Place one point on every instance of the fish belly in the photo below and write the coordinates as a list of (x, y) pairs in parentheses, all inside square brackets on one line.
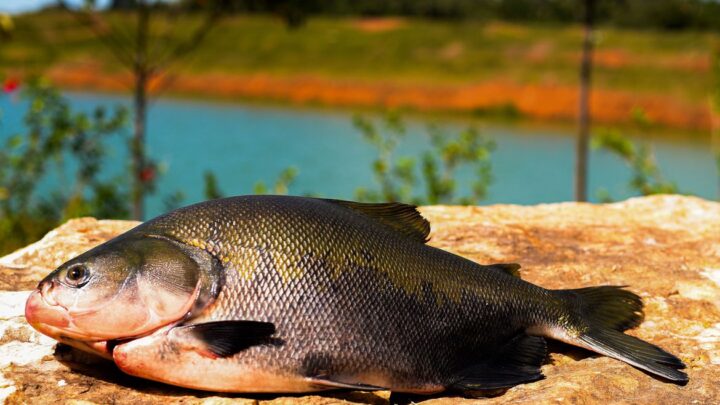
[(178, 360), (165, 358)]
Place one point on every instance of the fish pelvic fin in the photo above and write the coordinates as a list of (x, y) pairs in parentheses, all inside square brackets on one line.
[(598, 317), (517, 362), (325, 382)]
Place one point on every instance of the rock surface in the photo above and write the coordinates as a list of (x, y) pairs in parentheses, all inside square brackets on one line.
[(666, 248)]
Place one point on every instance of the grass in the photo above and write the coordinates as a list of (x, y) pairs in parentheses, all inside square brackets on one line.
[(672, 64)]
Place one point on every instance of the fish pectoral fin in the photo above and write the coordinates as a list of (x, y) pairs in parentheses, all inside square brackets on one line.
[(226, 338), (327, 382), (515, 363)]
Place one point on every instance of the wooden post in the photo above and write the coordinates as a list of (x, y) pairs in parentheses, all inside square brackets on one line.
[(141, 73), (581, 151)]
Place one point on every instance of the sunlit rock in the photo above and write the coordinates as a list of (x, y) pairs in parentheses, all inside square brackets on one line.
[(665, 248)]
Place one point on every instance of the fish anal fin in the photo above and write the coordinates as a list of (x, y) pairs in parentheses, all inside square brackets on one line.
[(226, 338), (512, 269), (515, 363), (403, 218), (329, 383)]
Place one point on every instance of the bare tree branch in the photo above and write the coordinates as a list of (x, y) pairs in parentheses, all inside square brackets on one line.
[(163, 39), (118, 48), (124, 35), (133, 51), (163, 82), (185, 47)]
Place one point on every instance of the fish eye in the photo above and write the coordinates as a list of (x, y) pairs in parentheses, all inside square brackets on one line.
[(76, 276)]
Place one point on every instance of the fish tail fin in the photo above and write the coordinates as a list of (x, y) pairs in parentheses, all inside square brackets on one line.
[(599, 315)]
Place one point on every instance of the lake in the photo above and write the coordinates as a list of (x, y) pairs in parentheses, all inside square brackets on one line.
[(244, 143)]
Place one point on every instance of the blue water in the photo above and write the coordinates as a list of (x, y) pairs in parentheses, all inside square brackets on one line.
[(246, 143)]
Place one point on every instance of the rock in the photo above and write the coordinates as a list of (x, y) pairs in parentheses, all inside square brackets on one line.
[(666, 248)]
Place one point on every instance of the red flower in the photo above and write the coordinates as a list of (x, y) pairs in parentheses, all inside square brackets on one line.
[(11, 85), (147, 174)]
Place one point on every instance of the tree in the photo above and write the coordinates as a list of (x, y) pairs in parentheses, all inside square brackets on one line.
[(52, 133), (147, 59), (646, 179), (715, 115), (396, 176), (581, 151)]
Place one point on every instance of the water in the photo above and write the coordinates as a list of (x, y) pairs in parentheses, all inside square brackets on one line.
[(243, 144)]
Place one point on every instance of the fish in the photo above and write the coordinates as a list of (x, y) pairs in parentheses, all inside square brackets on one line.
[(282, 294)]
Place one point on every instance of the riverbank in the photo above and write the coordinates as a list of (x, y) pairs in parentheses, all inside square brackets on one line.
[(494, 98), (475, 68)]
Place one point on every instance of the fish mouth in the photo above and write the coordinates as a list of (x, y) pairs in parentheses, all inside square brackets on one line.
[(50, 318), (54, 321), (40, 313)]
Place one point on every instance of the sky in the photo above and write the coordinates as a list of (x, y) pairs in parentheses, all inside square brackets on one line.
[(21, 6)]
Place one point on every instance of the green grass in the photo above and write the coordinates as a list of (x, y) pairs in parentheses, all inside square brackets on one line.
[(417, 51)]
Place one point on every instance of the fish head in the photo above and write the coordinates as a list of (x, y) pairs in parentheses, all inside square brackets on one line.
[(127, 287)]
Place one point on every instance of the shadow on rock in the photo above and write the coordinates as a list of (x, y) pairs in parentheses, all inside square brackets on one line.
[(574, 352)]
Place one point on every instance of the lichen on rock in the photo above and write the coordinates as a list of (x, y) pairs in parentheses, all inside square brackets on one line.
[(665, 248)]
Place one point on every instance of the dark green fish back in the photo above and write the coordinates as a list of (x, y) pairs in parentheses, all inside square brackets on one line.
[(351, 295)]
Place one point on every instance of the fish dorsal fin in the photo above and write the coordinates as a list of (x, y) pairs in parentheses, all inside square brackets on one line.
[(403, 218), (512, 269)]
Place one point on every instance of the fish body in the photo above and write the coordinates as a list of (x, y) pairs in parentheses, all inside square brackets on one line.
[(292, 294)]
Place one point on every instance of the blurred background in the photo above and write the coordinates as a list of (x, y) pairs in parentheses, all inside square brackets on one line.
[(129, 108)]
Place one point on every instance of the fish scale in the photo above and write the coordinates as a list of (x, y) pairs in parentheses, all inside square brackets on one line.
[(296, 294), (337, 296)]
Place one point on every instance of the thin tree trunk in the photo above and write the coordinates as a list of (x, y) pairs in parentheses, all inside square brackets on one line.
[(141, 73), (581, 152), (144, 66), (715, 141)]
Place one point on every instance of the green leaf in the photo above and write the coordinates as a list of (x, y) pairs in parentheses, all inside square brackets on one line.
[(15, 141)]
